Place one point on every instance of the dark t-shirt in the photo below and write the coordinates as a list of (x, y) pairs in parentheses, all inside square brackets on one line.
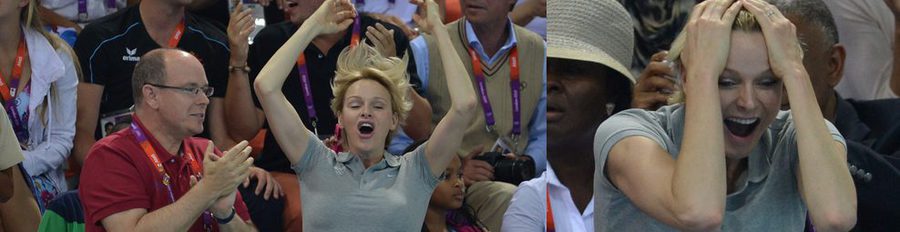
[(321, 66), (109, 48)]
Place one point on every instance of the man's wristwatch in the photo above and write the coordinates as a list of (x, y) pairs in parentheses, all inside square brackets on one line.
[(225, 220), (244, 68)]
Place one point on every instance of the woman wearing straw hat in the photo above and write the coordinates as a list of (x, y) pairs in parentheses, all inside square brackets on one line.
[(727, 158), (589, 52), (350, 191)]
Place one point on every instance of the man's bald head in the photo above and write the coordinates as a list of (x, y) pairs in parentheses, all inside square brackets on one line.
[(151, 69)]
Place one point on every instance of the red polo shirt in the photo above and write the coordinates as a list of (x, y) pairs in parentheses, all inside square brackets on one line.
[(117, 176)]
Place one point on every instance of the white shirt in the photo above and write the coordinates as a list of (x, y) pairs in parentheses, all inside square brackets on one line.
[(50, 137), (401, 9), (528, 208), (866, 29)]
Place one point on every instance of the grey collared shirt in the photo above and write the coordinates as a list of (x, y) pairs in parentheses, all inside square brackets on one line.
[(767, 198), (340, 194)]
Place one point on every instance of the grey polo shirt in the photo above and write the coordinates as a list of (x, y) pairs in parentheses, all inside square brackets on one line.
[(767, 198), (340, 194)]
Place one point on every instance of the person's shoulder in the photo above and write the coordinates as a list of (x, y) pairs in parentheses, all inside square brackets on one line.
[(116, 139), (880, 112), (523, 35), (536, 184), (644, 115), (112, 149)]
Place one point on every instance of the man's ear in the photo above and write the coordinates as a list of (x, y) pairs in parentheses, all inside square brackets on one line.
[(150, 96), (836, 64)]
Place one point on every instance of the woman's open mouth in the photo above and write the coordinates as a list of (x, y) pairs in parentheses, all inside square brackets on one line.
[(741, 127), (366, 129)]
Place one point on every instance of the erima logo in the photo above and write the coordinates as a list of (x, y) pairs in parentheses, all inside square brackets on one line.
[(129, 55)]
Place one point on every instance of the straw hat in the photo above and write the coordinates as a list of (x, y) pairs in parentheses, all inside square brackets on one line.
[(597, 31)]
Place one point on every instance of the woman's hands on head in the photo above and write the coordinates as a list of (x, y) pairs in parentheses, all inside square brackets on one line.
[(709, 37), (785, 53)]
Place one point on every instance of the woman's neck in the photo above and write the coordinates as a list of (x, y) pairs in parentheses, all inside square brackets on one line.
[(734, 168), (368, 158), (9, 40), (436, 219)]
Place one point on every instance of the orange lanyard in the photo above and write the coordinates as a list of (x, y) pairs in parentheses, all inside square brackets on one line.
[(176, 36), (8, 92), (551, 226), (150, 152)]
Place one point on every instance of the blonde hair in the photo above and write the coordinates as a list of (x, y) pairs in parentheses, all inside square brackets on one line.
[(744, 21), (363, 62), (29, 17)]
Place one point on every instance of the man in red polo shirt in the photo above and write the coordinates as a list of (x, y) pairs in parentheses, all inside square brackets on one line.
[(154, 176)]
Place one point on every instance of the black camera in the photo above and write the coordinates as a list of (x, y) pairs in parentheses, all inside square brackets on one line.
[(512, 171)]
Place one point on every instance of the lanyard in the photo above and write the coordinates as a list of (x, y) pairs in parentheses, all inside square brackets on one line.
[(166, 179), (303, 72), (8, 91), (514, 86), (354, 39), (82, 9), (176, 36), (307, 92), (551, 226)]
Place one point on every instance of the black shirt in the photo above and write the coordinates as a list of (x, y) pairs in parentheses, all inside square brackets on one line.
[(109, 48), (321, 66)]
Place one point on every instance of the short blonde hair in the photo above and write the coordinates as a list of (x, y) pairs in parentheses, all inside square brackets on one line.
[(744, 21), (363, 62)]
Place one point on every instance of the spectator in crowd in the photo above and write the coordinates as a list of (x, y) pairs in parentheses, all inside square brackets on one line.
[(588, 79), (371, 100), (867, 30), (109, 48), (155, 175), (39, 84), (775, 164), (262, 193), (531, 14), (74, 14), (246, 116), (866, 125), (447, 210), (489, 43), (19, 210)]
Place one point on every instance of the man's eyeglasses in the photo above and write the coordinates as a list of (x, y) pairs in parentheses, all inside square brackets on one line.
[(205, 90)]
